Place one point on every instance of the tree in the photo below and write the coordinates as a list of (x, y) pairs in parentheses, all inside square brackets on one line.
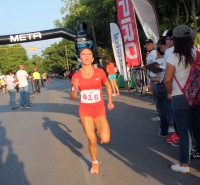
[(55, 57), (11, 57)]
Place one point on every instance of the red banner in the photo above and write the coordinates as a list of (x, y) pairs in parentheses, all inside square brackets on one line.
[(128, 27)]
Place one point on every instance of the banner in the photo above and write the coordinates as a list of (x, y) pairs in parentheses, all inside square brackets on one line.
[(148, 18), (118, 49), (128, 27)]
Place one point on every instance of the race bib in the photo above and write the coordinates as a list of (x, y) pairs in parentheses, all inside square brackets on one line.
[(90, 96)]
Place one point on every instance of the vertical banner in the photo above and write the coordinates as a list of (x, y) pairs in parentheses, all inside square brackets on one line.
[(148, 18), (118, 49), (128, 27)]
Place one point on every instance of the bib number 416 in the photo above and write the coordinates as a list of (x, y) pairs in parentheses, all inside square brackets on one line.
[(88, 96)]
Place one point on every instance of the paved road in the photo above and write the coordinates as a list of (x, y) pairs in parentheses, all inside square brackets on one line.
[(46, 145)]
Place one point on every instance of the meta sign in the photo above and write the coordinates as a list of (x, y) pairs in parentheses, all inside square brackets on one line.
[(26, 37)]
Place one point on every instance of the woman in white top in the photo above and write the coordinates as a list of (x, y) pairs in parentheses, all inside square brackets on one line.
[(10, 81), (187, 117)]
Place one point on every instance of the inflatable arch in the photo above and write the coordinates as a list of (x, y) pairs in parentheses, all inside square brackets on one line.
[(81, 38)]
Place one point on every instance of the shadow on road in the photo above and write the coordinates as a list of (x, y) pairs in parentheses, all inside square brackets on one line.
[(135, 143), (11, 170), (64, 137)]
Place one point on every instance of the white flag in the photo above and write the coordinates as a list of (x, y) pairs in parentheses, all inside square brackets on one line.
[(118, 49), (148, 18)]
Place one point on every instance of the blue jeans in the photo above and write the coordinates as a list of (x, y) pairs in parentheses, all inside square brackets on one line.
[(187, 119), (162, 102), (24, 96), (12, 93), (30, 86), (170, 118), (153, 89)]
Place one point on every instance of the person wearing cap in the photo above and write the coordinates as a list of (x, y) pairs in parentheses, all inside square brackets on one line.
[(187, 117), (22, 77), (149, 46), (173, 139)]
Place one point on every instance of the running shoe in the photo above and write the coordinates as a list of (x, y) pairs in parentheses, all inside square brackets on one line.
[(114, 94), (176, 143), (174, 135), (15, 108), (118, 93), (171, 140), (178, 168), (171, 129), (95, 168), (162, 135), (157, 118)]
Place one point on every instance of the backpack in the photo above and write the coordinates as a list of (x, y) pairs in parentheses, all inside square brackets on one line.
[(191, 89)]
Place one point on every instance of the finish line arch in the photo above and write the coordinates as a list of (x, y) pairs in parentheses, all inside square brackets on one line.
[(81, 38)]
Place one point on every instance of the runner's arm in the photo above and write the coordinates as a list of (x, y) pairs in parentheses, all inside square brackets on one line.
[(109, 90), (73, 94), (74, 90)]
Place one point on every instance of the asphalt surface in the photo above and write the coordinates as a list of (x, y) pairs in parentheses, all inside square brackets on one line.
[(46, 145)]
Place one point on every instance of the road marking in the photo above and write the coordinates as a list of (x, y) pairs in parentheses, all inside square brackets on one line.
[(59, 102), (91, 179)]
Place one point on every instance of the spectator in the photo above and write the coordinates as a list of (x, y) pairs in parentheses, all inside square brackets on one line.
[(22, 77), (151, 57), (112, 76), (10, 81), (36, 77), (126, 82), (186, 117)]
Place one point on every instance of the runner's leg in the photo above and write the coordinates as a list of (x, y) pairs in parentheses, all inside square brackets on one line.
[(103, 129), (112, 85), (88, 126), (115, 85)]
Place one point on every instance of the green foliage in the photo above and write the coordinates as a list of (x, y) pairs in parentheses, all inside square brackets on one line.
[(11, 57), (55, 57)]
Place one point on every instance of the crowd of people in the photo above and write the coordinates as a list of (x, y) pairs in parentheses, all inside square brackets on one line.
[(23, 83), (175, 53)]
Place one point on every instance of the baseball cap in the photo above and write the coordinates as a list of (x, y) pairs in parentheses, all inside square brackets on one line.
[(181, 31), (148, 41), (164, 33)]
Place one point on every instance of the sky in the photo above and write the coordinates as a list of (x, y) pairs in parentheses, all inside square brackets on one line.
[(23, 16)]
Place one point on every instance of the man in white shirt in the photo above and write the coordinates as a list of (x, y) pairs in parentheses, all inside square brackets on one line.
[(22, 77), (149, 46)]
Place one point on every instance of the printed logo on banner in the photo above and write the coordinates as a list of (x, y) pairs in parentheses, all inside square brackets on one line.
[(128, 28), (25, 37), (118, 47)]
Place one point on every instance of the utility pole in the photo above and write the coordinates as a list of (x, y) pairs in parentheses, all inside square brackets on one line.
[(67, 58)]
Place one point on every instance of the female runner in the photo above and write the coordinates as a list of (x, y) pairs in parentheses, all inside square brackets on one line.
[(92, 110)]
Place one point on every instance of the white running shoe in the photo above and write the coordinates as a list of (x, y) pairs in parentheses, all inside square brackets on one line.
[(157, 118), (171, 129), (178, 168)]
